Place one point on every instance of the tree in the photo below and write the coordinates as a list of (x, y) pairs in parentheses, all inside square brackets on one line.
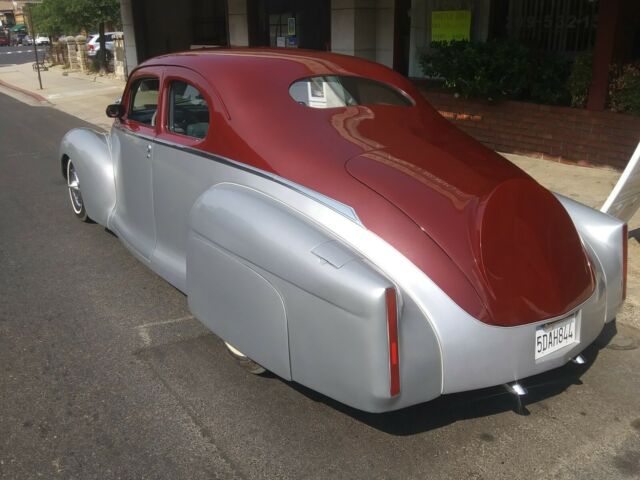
[(58, 17), (69, 17)]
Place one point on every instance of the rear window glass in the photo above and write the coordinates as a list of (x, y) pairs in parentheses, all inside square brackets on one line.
[(343, 91)]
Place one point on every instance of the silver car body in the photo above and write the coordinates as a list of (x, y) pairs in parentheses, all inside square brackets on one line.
[(295, 281)]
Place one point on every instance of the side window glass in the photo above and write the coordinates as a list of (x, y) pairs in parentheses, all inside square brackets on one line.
[(188, 110), (144, 101)]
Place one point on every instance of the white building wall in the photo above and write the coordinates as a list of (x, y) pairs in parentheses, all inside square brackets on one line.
[(363, 28)]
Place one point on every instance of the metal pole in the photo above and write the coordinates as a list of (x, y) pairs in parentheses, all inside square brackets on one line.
[(35, 46), (35, 49)]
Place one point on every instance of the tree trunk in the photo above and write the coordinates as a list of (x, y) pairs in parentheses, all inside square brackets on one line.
[(102, 53)]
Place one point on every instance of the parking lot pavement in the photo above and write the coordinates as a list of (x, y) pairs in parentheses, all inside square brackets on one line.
[(104, 374)]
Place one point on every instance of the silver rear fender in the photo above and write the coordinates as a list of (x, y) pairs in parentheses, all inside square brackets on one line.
[(603, 234), (298, 301)]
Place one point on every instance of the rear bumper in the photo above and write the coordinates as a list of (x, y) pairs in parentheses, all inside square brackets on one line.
[(486, 356), (477, 355)]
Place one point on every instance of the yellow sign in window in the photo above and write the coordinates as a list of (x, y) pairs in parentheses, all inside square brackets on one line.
[(450, 25)]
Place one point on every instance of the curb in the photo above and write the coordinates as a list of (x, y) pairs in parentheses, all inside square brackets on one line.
[(29, 93)]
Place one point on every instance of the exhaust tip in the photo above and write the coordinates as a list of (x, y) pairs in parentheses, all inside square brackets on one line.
[(579, 360), (516, 389)]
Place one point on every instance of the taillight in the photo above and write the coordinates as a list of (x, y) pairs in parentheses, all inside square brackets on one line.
[(394, 355), (90, 47), (625, 241)]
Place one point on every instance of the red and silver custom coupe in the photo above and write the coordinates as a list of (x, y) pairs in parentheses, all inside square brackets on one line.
[(333, 228)]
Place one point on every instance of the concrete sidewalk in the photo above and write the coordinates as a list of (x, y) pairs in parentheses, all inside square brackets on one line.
[(78, 94), (86, 97)]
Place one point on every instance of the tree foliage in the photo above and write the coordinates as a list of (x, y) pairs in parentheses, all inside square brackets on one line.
[(70, 17)]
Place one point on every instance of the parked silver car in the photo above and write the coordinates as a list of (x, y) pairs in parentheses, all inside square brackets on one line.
[(93, 44), (42, 40)]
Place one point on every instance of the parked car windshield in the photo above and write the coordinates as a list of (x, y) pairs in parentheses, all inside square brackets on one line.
[(342, 91)]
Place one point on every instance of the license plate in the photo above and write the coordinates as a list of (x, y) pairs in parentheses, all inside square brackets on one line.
[(554, 336)]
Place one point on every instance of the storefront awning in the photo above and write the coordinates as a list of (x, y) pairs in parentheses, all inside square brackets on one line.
[(17, 27)]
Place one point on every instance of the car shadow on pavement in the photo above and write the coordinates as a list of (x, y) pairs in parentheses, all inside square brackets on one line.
[(451, 408)]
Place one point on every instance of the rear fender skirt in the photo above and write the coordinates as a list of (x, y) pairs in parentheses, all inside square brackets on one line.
[(295, 299)]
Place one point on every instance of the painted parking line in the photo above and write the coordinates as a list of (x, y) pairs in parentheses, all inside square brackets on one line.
[(21, 51), (144, 329)]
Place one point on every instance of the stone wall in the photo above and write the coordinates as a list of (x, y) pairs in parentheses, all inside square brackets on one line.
[(81, 53), (72, 49), (119, 57), (71, 52)]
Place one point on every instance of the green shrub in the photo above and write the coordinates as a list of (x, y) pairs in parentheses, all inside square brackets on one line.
[(497, 70), (491, 70), (624, 89), (548, 78), (580, 79)]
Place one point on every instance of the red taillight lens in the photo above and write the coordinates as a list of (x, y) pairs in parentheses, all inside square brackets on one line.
[(90, 47), (625, 242), (394, 354)]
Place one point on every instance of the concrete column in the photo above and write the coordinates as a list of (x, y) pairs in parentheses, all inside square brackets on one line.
[(64, 51), (418, 36), (363, 28), (56, 53), (119, 62), (130, 49), (238, 23), (385, 26)]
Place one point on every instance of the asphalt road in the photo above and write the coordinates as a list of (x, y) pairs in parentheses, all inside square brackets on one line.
[(104, 374), (10, 55)]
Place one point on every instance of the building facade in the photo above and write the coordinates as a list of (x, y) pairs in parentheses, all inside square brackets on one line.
[(391, 32)]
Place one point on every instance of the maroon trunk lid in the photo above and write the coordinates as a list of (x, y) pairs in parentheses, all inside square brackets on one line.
[(508, 235)]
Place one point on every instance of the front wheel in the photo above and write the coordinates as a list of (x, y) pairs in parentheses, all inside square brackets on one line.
[(73, 184), (244, 361)]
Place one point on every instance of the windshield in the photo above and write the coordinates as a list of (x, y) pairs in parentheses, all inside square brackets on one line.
[(342, 91)]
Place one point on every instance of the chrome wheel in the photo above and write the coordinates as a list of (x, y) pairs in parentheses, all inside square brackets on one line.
[(73, 184), (244, 361)]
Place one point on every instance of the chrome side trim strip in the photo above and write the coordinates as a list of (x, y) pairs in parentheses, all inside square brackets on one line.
[(343, 209)]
